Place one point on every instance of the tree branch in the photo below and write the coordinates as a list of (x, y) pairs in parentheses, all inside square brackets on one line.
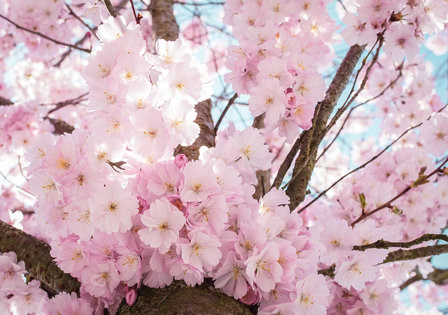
[(60, 126), (303, 169), (5, 101), (180, 299), (110, 8), (73, 101), (37, 258), (438, 276), (206, 135), (422, 179), (385, 244), (391, 84), (284, 167), (81, 20), (224, 112), (163, 21), (410, 254), (45, 36)]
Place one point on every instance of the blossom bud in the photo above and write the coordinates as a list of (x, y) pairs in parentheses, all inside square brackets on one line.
[(180, 160), (131, 296)]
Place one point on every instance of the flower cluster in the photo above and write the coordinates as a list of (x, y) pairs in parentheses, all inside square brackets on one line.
[(276, 62), (20, 296)]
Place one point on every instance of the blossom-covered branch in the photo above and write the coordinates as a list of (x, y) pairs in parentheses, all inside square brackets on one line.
[(422, 179), (36, 255), (45, 36), (297, 188)]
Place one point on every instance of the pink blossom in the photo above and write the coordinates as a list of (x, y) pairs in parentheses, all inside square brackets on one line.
[(210, 214), (180, 160), (100, 279), (163, 222), (131, 296), (312, 295), (268, 97), (202, 252), (29, 300), (195, 32), (357, 271), (69, 304), (113, 208), (264, 268), (309, 87), (231, 277), (11, 272), (199, 182)]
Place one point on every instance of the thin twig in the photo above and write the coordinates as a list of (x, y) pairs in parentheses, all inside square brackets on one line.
[(388, 204), (386, 244), (224, 112), (23, 190), (73, 101), (343, 5), (359, 167), (392, 83), (46, 37), (199, 3), (366, 163), (137, 17), (286, 164), (69, 51), (81, 20)]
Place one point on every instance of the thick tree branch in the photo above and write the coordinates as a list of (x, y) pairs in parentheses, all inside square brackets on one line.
[(60, 126), (206, 135), (410, 254), (110, 8), (304, 164), (180, 299), (163, 21), (37, 258), (5, 101)]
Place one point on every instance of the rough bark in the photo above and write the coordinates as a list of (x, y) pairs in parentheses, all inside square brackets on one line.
[(304, 164), (180, 299), (438, 276), (385, 244), (410, 254), (206, 135), (5, 101), (37, 258), (163, 21), (60, 126), (263, 176)]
